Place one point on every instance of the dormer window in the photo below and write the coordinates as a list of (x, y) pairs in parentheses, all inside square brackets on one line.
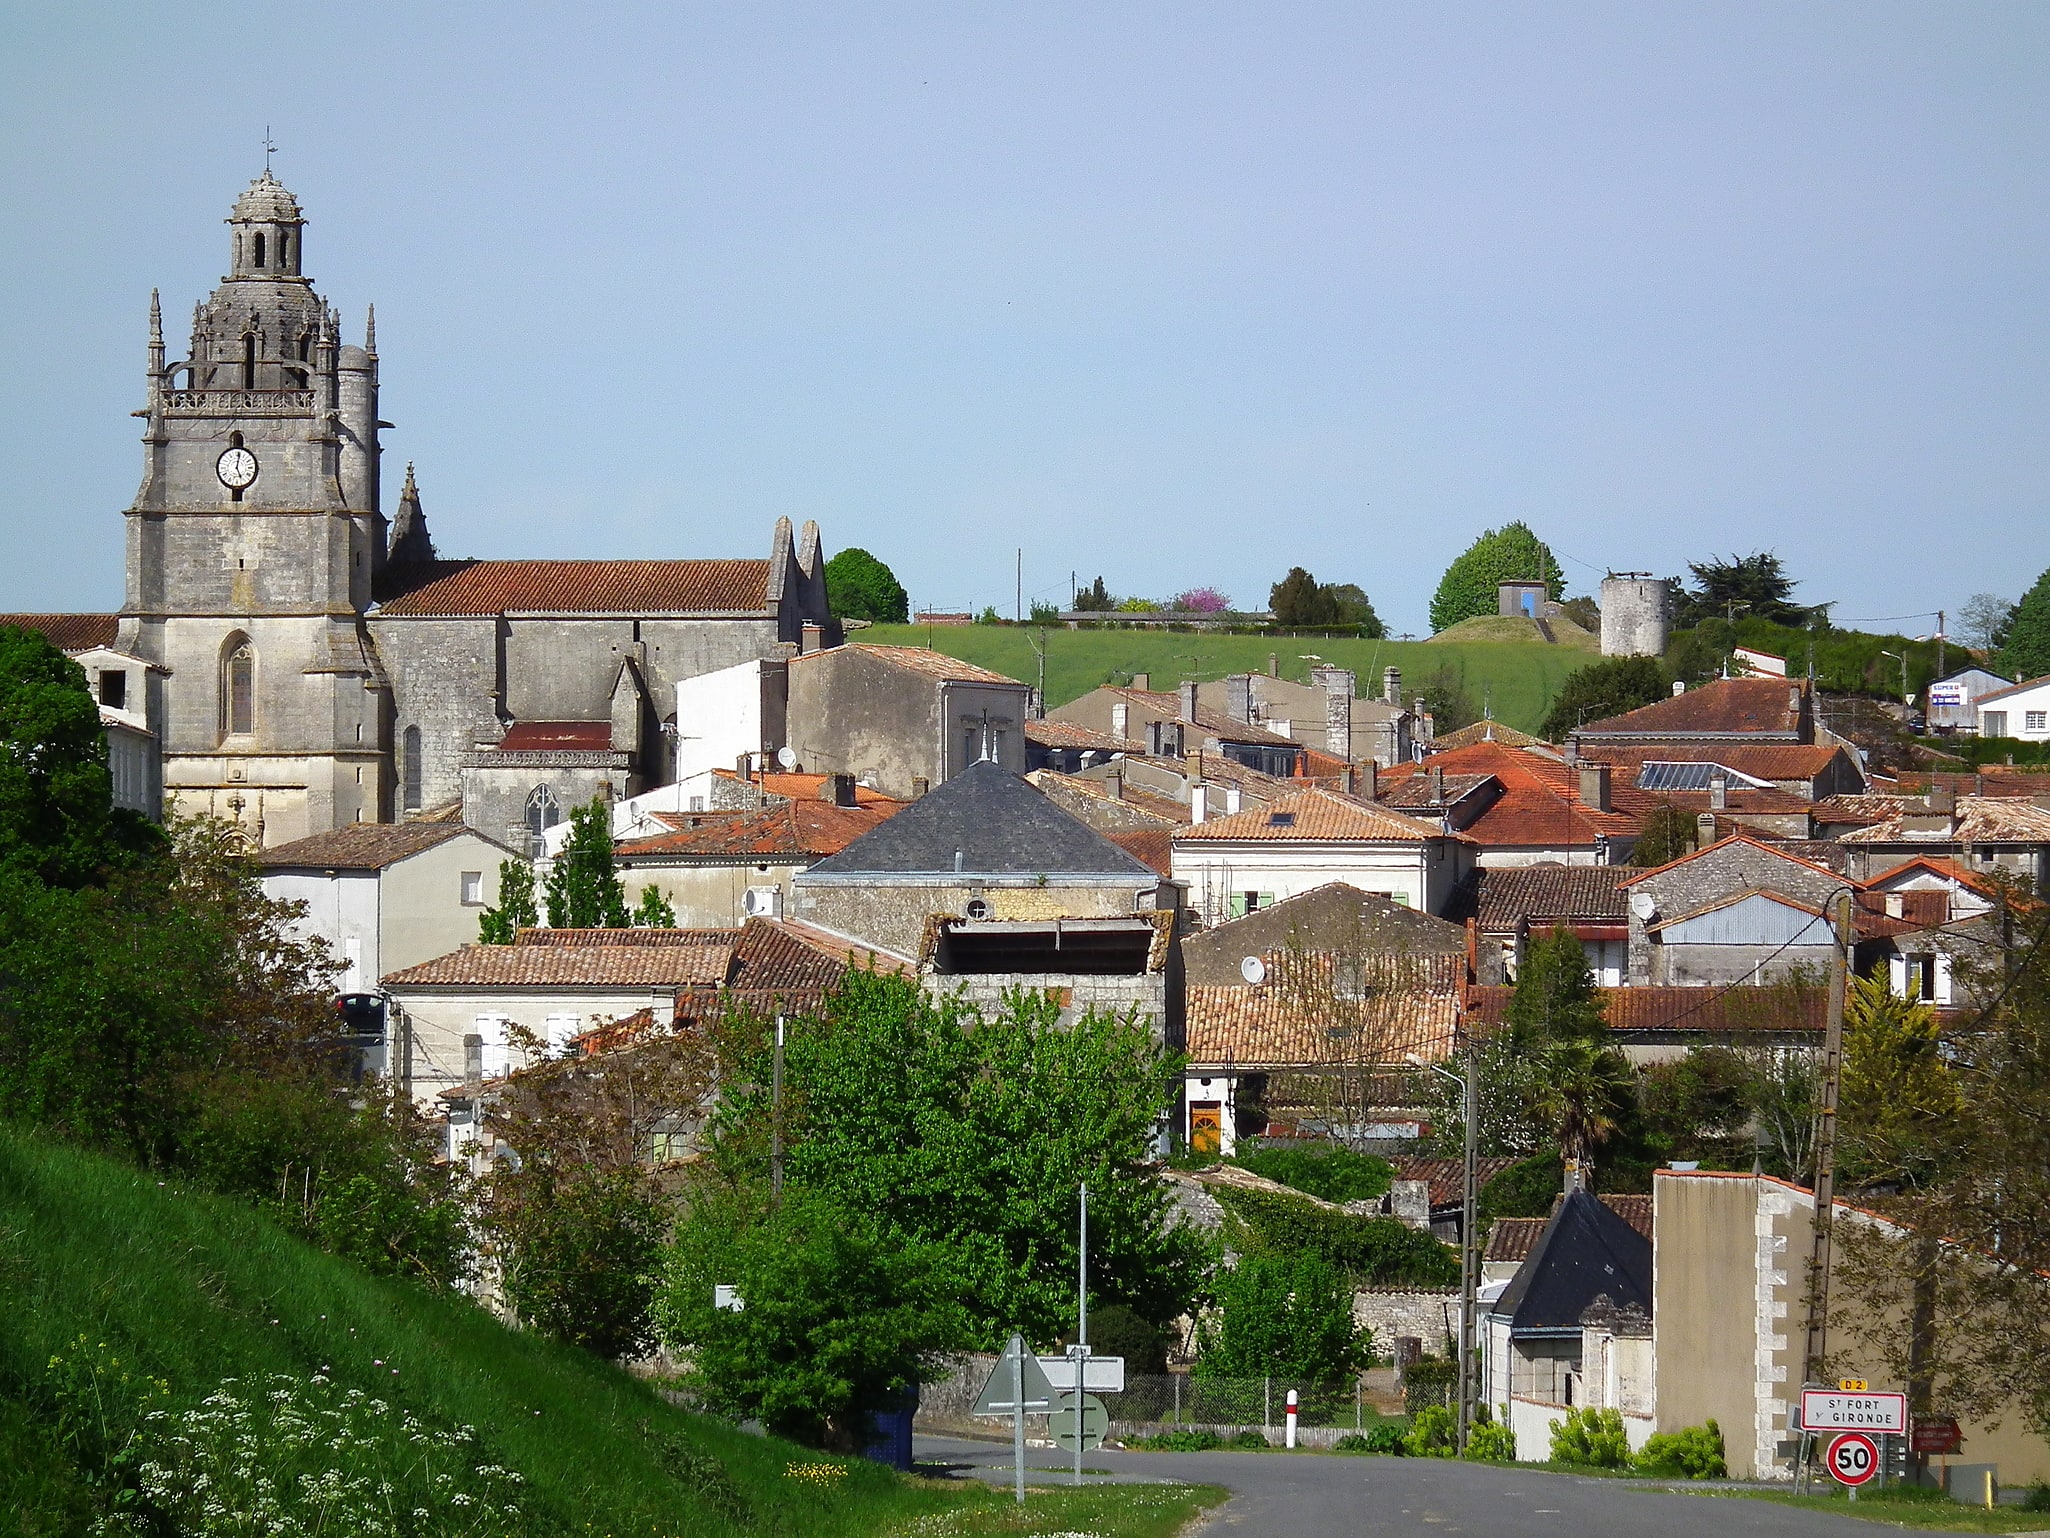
[(114, 689)]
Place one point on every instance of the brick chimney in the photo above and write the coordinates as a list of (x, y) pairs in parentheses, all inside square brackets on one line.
[(1594, 786), (1238, 698), (1188, 699)]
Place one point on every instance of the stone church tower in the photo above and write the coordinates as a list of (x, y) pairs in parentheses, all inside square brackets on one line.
[(254, 542)]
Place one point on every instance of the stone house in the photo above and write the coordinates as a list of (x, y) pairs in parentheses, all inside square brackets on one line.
[(1175, 724), (1725, 710), (1240, 863), (1325, 713), (1737, 911), (129, 690), (386, 896)]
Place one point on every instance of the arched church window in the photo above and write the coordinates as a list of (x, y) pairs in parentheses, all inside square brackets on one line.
[(259, 248), (543, 813), (409, 769), (238, 687)]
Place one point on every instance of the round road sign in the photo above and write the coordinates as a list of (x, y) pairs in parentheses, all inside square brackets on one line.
[(1852, 1458)]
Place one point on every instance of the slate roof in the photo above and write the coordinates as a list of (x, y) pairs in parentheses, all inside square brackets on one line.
[(780, 830), (1545, 894), (572, 966), (1586, 1251), (1334, 916), (918, 659), (997, 823), (466, 588), (1741, 1011), (1386, 1008), (1725, 706), (557, 737), (1322, 816), (69, 632), (366, 845)]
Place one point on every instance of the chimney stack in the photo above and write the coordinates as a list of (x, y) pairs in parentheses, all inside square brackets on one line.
[(1437, 783), (1679, 686), (1391, 686), (814, 638), (1143, 682), (1704, 830), (1238, 697), (919, 786), (1718, 793), (1121, 721), (1942, 799), (1273, 665), (1338, 685), (1188, 699), (1594, 786), (837, 790), (1369, 781), (1199, 803)]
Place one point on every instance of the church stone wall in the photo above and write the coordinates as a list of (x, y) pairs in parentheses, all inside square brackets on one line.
[(563, 669), (444, 675), (687, 648)]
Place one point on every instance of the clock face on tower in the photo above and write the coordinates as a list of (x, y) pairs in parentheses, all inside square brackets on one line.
[(237, 469)]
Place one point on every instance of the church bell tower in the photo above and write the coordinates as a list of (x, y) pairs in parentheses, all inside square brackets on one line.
[(254, 542)]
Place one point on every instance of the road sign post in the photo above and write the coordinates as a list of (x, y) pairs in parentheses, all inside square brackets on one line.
[(1852, 1458), (1016, 1385)]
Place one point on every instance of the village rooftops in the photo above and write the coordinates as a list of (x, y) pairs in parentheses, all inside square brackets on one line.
[(1335, 917), (783, 964), (1976, 820), (1225, 728), (1044, 732), (781, 830), (1537, 804), (366, 846), (917, 659), (1317, 816), (1748, 709), (1551, 894), (599, 964), (988, 823)]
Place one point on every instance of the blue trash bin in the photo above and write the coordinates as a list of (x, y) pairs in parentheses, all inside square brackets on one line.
[(889, 1438)]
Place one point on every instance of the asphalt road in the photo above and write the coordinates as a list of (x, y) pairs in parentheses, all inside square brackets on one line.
[(1341, 1496)]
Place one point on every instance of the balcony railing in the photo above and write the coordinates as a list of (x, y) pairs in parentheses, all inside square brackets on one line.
[(239, 403)]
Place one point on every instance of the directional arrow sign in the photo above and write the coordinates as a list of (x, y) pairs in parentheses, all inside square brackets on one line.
[(998, 1396)]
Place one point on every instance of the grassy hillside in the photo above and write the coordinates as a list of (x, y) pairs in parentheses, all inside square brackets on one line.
[(1518, 679), (101, 1263)]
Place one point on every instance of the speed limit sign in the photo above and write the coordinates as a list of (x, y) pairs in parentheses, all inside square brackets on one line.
[(1852, 1458)]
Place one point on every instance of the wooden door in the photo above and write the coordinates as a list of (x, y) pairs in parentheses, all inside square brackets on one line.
[(1206, 1127)]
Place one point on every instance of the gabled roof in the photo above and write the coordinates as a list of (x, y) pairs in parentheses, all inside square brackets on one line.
[(1586, 1251), (917, 659), (1978, 820), (68, 632), (1551, 893), (1723, 707), (1484, 731), (1512, 1238), (1539, 804), (1941, 866), (1332, 917), (1317, 816), (368, 846), (1730, 899), (1778, 851), (457, 589), (985, 821), (572, 966), (1317, 1010), (1761, 760), (780, 830), (2012, 689), (1047, 733)]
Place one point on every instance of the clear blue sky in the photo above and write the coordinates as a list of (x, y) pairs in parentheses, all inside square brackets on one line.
[(1176, 293)]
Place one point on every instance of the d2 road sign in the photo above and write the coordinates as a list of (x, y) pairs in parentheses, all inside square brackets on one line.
[(1095, 1422), (1852, 1458), (1828, 1409)]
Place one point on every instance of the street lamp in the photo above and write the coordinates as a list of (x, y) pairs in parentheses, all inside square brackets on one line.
[(1903, 661), (1469, 1095)]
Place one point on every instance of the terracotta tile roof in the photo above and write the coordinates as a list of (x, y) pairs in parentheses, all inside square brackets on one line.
[(2012, 690), (784, 964), (1153, 845), (571, 966), (1760, 760), (1412, 792), (1993, 780), (1546, 894), (800, 787), (1086, 797), (557, 736), (1484, 731), (587, 938), (1335, 918), (1168, 703), (1766, 801), (789, 829), (68, 632), (1632, 1208), (1539, 805), (367, 845), (1322, 816), (1722, 707), (1299, 1018), (1511, 1239), (1447, 1177), (1978, 820), (917, 659), (587, 587), (1049, 733), (1713, 1011), (1323, 766)]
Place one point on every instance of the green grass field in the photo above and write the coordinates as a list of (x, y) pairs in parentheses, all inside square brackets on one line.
[(193, 1289), (1515, 679)]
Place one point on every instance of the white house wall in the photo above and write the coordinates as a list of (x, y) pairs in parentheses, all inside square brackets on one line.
[(424, 914), (342, 911), (1411, 874), (442, 1018)]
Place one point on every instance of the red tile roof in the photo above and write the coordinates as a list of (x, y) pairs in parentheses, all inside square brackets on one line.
[(1722, 707), (782, 829), (918, 659), (586, 938), (366, 846), (1547, 894), (1049, 733), (1446, 1177), (1153, 845), (571, 966), (784, 964), (588, 587), (1321, 816), (557, 736), (1485, 731), (1540, 805), (1760, 760), (1299, 1018), (1714, 1011), (68, 632), (803, 787), (1978, 820)]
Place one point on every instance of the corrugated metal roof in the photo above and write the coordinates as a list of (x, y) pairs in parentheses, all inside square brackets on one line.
[(588, 587)]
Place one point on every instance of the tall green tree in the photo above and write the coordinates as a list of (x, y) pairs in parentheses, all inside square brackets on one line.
[(1742, 586), (1899, 1101), (1511, 553), (1299, 599), (583, 890), (1602, 689), (1556, 998), (1666, 834), (1285, 1315), (58, 824), (989, 1125), (858, 586), (501, 923), (2025, 647), (1095, 598)]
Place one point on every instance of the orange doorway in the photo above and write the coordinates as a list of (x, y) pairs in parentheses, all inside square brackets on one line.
[(1206, 1127)]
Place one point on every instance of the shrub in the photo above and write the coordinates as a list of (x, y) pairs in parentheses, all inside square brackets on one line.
[(1335, 1174), (1351, 1442), (1180, 1442), (1285, 1315), (1251, 1440), (1427, 1384), (1694, 1452), (1431, 1434), (1591, 1439), (1375, 1251), (1390, 1437), (1490, 1440), (858, 586), (2038, 1497)]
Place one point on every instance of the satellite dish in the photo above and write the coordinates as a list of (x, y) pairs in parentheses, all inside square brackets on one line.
[(787, 757), (1644, 905), (1253, 970)]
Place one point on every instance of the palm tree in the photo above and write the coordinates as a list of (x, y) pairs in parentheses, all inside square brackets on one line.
[(1583, 1089)]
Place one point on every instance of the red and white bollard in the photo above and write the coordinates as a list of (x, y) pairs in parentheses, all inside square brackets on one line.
[(1289, 1434)]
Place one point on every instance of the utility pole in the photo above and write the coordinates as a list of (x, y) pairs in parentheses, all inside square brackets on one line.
[(1816, 1347), (776, 1117), (1081, 1330), (1469, 1277), (1018, 599), (1939, 643)]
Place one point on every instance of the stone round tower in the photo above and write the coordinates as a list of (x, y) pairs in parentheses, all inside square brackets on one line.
[(1635, 615)]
